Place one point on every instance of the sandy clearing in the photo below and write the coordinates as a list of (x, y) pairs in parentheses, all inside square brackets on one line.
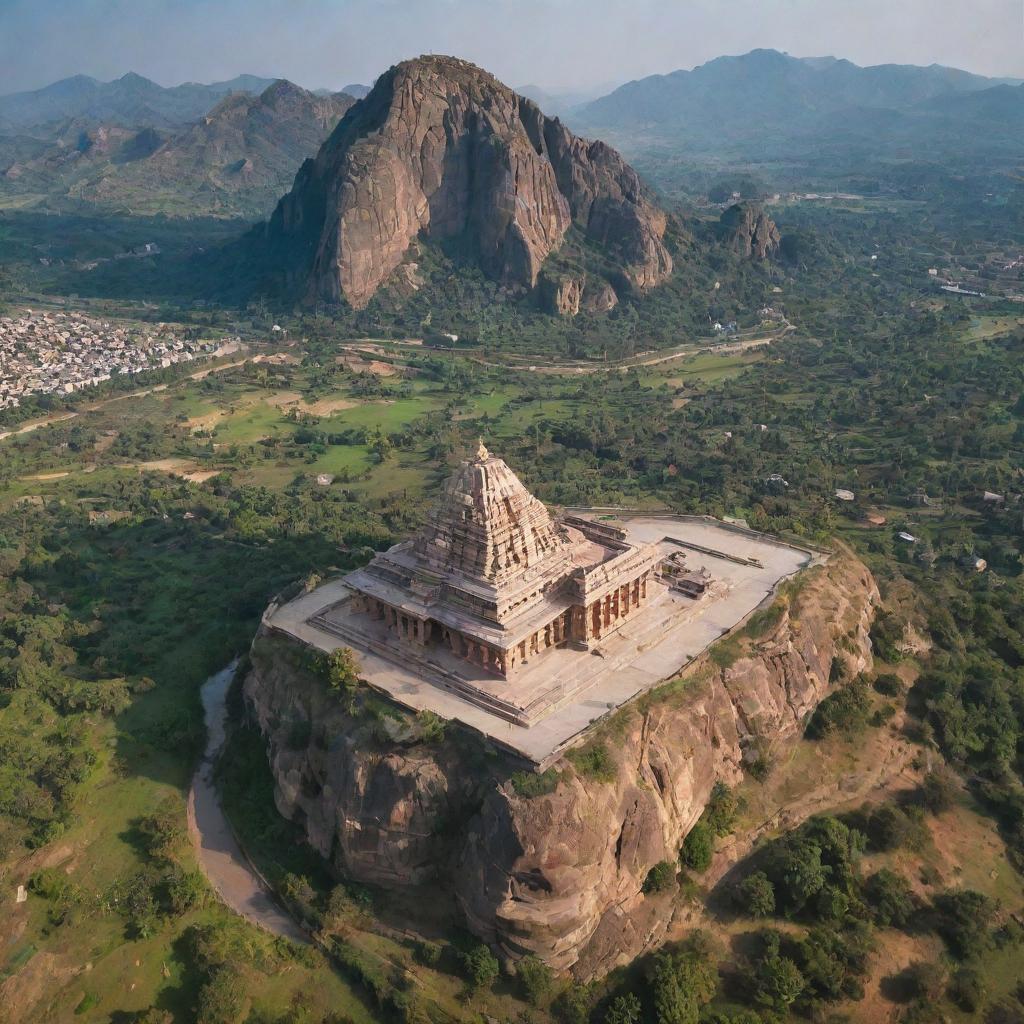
[(176, 467), (326, 406)]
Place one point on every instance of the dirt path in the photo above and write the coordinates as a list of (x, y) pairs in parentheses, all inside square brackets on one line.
[(220, 857)]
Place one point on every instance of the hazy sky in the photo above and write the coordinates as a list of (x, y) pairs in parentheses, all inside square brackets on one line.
[(559, 44)]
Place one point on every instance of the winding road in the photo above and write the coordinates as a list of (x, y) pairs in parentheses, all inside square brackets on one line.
[(220, 857)]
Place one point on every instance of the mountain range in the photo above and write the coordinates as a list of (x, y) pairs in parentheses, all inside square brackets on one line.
[(234, 160), (131, 101), (766, 105)]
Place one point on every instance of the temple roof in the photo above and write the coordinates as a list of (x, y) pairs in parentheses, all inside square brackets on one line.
[(488, 526)]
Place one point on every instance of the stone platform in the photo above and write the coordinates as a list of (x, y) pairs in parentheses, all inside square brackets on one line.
[(554, 698)]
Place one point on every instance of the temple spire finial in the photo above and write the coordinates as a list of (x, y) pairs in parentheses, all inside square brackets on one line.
[(482, 454)]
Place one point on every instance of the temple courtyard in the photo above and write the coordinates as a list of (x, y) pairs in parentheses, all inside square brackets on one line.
[(529, 627)]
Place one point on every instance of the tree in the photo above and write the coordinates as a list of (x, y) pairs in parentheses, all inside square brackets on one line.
[(480, 966), (779, 982), (698, 847), (681, 984), (756, 895), (624, 1010), (535, 977)]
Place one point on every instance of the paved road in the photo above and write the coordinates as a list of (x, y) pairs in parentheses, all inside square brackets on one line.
[(220, 857)]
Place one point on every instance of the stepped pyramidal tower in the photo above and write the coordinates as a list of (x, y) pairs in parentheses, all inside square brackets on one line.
[(495, 580)]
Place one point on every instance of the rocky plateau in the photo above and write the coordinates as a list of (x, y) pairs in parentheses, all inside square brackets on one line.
[(560, 873)]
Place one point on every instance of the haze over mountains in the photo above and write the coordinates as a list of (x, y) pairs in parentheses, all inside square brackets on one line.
[(231, 148)]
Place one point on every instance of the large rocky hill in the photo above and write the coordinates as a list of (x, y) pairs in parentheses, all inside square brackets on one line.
[(440, 149)]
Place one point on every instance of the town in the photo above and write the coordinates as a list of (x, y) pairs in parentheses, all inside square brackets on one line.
[(57, 353)]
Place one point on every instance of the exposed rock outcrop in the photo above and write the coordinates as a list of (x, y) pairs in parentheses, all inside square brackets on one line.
[(558, 874), (748, 230), (566, 295), (440, 147)]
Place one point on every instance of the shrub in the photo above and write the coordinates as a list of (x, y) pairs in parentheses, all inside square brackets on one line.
[(967, 989), (938, 790), (660, 878), (573, 1006), (163, 830), (432, 727), (755, 895), (222, 997), (536, 978), (890, 827), (888, 684), (845, 711), (963, 921), (887, 636), (721, 810), (698, 847), (594, 762), (531, 784), (681, 984), (890, 898), (429, 953), (340, 671), (186, 890)]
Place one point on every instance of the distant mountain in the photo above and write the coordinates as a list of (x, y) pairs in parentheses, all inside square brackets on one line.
[(358, 91), (769, 105), (129, 101), (441, 153), (236, 160), (766, 84)]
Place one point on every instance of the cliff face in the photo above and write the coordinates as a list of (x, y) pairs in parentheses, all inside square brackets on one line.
[(750, 231), (441, 147), (559, 874)]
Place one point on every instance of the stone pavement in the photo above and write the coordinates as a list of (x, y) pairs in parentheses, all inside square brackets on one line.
[(640, 654)]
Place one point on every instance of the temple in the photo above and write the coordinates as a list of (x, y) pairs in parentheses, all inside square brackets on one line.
[(527, 625), (497, 581)]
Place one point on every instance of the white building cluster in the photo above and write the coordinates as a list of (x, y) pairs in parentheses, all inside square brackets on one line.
[(57, 353)]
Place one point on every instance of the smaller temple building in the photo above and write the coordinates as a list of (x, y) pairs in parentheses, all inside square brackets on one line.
[(497, 581)]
